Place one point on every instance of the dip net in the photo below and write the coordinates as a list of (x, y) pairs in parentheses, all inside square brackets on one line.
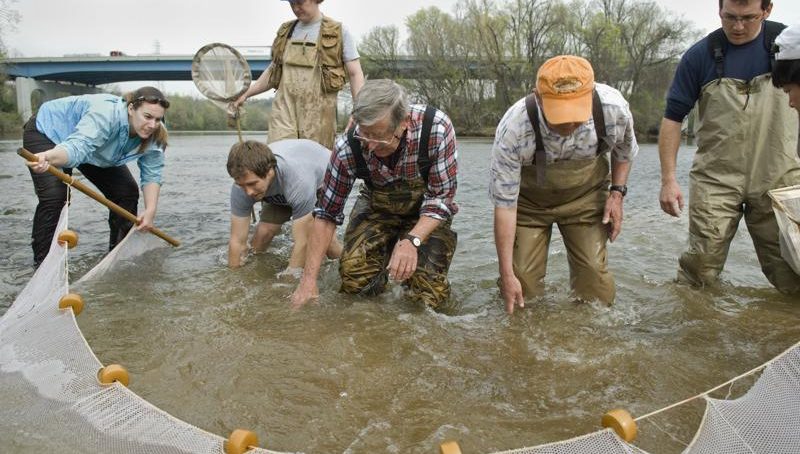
[(52, 393), (221, 74)]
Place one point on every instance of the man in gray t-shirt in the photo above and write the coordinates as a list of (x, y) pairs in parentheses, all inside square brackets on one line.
[(284, 177)]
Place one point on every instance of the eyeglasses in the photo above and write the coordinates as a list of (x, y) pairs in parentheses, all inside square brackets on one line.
[(152, 99), (358, 136), (733, 19)]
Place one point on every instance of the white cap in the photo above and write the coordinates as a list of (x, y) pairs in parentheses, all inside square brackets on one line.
[(788, 43)]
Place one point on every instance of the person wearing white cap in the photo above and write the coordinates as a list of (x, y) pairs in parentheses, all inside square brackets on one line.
[(786, 71), (746, 139)]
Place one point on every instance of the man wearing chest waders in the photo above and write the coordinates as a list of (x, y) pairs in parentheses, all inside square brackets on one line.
[(746, 137), (313, 57), (399, 227), (550, 165)]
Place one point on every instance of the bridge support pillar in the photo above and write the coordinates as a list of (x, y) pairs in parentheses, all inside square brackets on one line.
[(26, 87)]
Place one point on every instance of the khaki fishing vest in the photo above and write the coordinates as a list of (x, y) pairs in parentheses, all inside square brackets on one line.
[(330, 45)]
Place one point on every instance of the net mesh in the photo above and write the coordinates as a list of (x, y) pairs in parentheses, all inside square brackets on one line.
[(766, 419), (786, 202), (48, 375), (220, 72), (49, 386), (602, 442)]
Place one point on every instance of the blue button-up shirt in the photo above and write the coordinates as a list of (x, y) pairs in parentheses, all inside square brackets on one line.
[(93, 129)]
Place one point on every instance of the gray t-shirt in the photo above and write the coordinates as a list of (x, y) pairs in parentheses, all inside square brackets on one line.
[(299, 172), (310, 32)]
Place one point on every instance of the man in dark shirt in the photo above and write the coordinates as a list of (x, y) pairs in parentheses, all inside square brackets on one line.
[(746, 140)]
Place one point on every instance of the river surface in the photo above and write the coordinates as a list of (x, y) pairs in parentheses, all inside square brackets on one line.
[(221, 349)]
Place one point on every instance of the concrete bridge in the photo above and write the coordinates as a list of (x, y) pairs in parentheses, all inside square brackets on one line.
[(51, 77)]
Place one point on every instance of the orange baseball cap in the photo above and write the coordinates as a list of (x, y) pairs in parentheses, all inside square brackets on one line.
[(565, 85)]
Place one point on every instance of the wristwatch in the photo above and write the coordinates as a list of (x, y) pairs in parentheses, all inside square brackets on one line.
[(414, 240), (621, 188)]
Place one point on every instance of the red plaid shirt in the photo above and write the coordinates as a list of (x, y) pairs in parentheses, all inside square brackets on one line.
[(438, 200)]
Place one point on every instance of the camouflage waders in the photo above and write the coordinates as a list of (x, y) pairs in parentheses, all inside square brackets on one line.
[(380, 217)]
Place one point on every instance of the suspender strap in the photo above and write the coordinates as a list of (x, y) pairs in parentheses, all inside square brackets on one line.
[(599, 123), (716, 43), (771, 31), (423, 156), (362, 171), (539, 157)]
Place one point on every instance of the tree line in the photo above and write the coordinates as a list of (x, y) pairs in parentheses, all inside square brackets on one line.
[(484, 56), (480, 59)]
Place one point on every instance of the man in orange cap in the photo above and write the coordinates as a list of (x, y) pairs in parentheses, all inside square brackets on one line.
[(550, 165)]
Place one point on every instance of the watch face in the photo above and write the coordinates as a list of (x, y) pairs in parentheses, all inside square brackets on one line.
[(414, 240)]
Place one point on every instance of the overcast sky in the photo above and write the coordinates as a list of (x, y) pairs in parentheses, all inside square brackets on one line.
[(50, 28)]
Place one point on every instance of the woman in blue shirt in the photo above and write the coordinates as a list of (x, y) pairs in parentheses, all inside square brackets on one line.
[(98, 134)]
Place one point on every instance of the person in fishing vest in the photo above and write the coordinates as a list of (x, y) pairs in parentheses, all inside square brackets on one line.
[(746, 141), (98, 134), (399, 227), (312, 59), (786, 70), (284, 177), (550, 165)]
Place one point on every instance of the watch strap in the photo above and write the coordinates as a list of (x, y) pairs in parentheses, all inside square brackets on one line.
[(621, 188)]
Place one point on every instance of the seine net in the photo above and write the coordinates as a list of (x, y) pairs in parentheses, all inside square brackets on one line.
[(48, 377), (786, 202), (49, 388)]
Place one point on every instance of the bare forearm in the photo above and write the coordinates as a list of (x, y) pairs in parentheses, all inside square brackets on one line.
[(619, 172), (259, 86), (56, 156), (151, 192), (236, 251), (355, 75), (320, 238), (424, 227), (669, 140), (505, 227)]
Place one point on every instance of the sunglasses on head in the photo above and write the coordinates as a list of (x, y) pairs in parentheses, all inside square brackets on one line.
[(152, 99)]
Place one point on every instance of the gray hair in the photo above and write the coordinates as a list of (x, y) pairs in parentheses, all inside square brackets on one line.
[(377, 98)]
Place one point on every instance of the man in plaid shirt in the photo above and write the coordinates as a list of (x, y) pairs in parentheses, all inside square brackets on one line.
[(400, 225)]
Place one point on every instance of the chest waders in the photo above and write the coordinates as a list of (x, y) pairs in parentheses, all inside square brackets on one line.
[(746, 146), (380, 217), (571, 194), (302, 109)]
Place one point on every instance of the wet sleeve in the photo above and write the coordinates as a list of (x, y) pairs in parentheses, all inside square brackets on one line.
[(241, 203)]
